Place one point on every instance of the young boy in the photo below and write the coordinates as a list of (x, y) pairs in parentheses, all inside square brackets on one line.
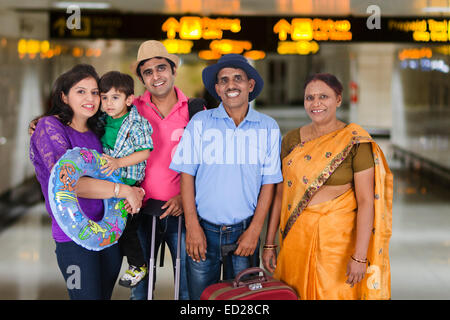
[(126, 144)]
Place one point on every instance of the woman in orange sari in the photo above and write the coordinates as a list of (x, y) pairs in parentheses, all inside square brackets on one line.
[(334, 207)]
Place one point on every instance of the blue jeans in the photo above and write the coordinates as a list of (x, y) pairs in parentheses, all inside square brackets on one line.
[(167, 230), (204, 273), (89, 275)]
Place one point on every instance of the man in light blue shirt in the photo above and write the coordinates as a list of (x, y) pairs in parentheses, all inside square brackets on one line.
[(229, 159)]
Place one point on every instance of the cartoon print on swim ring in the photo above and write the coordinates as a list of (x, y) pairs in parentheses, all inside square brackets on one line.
[(92, 235)]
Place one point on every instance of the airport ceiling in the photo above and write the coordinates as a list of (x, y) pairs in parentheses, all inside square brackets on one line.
[(408, 8)]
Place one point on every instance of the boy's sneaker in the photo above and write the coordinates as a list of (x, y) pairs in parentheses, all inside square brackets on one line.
[(133, 276)]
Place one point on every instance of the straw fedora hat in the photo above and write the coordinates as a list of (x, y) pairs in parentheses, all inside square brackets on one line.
[(151, 49)]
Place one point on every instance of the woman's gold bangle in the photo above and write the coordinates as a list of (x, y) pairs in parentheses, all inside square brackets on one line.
[(359, 261), (270, 246)]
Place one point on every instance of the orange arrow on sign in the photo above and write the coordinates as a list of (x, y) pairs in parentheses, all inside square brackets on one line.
[(171, 26), (282, 27), (60, 24)]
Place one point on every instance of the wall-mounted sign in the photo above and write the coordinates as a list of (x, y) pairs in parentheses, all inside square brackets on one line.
[(178, 46), (423, 30), (255, 54), (421, 59), (195, 28), (297, 47), (414, 53), (225, 46), (313, 29), (44, 49), (230, 46), (445, 50), (425, 65)]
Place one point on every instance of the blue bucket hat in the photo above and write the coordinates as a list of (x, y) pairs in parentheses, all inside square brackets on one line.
[(232, 60)]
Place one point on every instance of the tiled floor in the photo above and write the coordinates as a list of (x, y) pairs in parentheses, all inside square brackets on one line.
[(420, 249), (420, 244), (28, 267)]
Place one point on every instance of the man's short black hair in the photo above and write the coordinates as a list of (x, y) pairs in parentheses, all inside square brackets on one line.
[(233, 67), (120, 81)]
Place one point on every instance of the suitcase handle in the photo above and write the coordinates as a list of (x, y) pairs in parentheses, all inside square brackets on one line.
[(238, 283)]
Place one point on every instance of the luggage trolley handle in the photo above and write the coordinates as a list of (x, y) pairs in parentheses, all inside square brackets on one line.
[(152, 263), (228, 249), (178, 261), (152, 208)]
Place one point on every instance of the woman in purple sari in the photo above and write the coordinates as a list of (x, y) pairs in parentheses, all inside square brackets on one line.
[(73, 121)]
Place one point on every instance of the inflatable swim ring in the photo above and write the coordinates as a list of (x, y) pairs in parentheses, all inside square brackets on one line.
[(73, 165)]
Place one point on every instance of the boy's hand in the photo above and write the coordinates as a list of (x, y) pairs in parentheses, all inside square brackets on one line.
[(111, 165), (32, 125)]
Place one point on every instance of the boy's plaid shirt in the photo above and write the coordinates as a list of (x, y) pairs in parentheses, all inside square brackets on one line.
[(134, 134)]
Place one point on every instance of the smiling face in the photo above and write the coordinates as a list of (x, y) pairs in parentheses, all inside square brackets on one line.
[(321, 102), (233, 87), (115, 103), (83, 98), (158, 77)]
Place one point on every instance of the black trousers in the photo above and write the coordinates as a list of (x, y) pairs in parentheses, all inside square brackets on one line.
[(129, 243)]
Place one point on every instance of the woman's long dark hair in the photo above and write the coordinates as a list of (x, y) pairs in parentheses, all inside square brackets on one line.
[(63, 85)]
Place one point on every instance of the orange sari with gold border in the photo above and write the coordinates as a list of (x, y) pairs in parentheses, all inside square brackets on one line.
[(316, 241)]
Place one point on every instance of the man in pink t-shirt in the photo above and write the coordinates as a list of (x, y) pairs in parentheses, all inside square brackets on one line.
[(166, 108)]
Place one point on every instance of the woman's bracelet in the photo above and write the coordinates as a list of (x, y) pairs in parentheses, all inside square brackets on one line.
[(116, 190), (359, 261), (270, 246)]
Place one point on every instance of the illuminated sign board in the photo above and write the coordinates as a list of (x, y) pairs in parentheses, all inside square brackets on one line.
[(195, 28), (298, 47), (415, 53), (313, 29), (305, 32), (421, 59), (32, 48), (445, 50), (253, 36), (423, 30), (178, 46), (425, 65)]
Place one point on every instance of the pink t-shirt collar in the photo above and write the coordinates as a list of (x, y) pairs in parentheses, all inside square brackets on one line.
[(146, 99)]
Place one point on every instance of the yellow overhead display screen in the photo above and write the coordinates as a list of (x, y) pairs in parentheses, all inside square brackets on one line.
[(313, 29), (195, 28), (253, 36), (423, 30), (304, 32)]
